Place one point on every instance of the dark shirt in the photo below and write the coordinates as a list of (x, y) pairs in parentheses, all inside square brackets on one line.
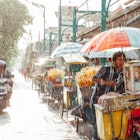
[(120, 88), (107, 74)]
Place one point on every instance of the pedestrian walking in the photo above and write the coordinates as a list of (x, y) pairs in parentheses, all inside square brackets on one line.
[(25, 74)]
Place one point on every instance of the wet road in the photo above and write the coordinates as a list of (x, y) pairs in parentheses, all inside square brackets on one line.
[(29, 119)]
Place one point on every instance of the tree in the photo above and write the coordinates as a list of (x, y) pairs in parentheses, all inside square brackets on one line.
[(14, 16)]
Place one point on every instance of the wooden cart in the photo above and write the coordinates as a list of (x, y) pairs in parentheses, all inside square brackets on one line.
[(55, 87), (42, 82), (36, 75)]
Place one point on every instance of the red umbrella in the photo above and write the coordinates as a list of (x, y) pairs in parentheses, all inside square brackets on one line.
[(119, 37)]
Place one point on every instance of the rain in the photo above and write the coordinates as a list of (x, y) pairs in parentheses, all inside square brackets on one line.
[(69, 70)]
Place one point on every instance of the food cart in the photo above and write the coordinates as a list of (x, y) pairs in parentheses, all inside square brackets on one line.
[(73, 64), (36, 75), (54, 85), (118, 116), (85, 90), (46, 66), (69, 93)]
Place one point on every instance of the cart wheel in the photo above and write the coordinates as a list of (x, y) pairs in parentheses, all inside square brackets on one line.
[(36, 84), (61, 109), (61, 105), (39, 90), (77, 124), (32, 83), (39, 94)]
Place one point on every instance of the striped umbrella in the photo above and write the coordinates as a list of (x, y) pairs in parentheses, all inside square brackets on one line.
[(75, 59), (120, 37), (67, 49), (131, 54)]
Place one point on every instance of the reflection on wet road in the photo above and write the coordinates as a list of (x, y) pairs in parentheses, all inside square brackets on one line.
[(29, 119)]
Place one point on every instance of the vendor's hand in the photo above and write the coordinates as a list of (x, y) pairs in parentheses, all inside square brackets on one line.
[(112, 83)]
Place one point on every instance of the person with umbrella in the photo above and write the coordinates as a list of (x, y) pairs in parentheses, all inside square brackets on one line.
[(108, 79)]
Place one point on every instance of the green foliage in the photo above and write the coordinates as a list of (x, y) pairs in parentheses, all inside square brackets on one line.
[(14, 16)]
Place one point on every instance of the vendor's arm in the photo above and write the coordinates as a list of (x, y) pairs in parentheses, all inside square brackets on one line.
[(99, 78), (103, 82)]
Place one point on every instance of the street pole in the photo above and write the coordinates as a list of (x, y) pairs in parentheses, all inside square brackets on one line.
[(74, 25), (75, 21), (40, 6), (50, 40), (104, 15), (44, 32), (60, 19), (103, 25)]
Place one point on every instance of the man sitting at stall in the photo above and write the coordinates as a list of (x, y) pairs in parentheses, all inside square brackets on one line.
[(108, 79)]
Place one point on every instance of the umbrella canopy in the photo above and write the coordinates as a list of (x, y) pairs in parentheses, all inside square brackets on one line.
[(67, 49), (132, 54), (119, 37), (75, 59), (100, 54)]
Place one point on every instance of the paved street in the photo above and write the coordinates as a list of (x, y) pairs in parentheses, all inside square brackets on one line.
[(29, 119)]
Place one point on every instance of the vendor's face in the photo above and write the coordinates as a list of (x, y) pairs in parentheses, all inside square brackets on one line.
[(119, 62)]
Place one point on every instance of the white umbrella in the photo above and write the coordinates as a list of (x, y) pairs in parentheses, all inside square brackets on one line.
[(101, 54), (69, 48), (75, 59), (131, 54)]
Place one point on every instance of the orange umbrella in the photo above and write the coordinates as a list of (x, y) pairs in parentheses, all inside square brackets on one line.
[(119, 37)]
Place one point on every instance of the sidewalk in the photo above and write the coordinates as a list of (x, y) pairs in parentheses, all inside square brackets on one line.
[(84, 129)]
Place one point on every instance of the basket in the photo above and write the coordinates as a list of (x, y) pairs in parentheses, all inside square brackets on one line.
[(86, 93)]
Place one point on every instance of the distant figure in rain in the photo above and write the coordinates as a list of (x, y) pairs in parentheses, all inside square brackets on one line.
[(25, 74)]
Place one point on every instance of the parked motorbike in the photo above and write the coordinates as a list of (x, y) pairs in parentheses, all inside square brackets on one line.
[(4, 101)]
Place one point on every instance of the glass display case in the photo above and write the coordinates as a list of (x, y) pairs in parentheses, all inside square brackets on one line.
[(132, 77)]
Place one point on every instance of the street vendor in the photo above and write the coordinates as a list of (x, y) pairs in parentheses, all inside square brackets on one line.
[(108, 79)]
